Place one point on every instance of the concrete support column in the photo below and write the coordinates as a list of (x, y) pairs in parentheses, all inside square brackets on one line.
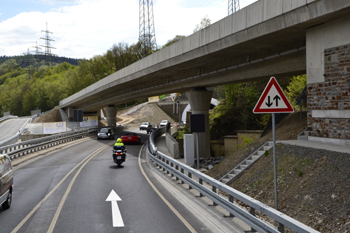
[(111, 115), (200, 99), (70, 113)]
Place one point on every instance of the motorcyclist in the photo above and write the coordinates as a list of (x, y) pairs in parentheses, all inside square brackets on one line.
[(119, 157), (119, 143)]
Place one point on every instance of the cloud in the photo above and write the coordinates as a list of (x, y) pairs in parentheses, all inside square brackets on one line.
[(88, 29), (91, 27)]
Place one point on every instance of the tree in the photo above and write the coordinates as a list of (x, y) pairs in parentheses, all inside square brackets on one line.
[(205, 22), (294, 88), (235, 109), (174, 40)]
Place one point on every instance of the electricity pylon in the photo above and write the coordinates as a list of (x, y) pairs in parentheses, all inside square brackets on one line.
[(233, 6), (147, 37), (28, 61), (47, 46)]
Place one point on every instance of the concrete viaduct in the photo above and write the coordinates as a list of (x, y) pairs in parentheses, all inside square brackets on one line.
[(267, 38)]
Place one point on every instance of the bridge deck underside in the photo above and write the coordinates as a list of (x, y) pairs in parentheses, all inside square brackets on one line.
[(280, 53)]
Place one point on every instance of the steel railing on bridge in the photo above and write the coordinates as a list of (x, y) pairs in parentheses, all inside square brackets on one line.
[(209, 187)]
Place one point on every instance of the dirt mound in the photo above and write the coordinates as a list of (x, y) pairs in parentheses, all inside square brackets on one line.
[(52, 116), (150, 112)]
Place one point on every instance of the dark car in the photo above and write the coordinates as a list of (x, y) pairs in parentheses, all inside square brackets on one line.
[(105, 133), (6, 181), (131, 138)]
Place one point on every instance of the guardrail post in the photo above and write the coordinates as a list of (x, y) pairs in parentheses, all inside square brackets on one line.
[(177, 168), (201, 182), (190, 176), (252, 212), (231, 199), (280, 227), (214, 190), (182, 171), (167, 162), (172, 165)]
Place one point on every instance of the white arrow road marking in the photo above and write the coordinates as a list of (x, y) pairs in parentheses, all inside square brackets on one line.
[(116, 215)]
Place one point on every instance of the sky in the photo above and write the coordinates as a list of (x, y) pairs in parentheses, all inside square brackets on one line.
[(86, 28)]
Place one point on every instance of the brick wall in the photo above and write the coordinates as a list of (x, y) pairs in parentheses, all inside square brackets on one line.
[(333, 94)]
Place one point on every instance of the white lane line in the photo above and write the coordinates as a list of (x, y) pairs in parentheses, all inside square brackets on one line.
[(63, 200)]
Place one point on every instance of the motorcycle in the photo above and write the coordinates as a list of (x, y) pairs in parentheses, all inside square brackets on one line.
[(119, 154)]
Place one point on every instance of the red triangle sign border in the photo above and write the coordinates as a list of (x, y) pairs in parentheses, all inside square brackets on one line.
[(273, 82)]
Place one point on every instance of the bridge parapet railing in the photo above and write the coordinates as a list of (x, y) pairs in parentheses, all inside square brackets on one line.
[(210, 187), (13, 139), (23, 148), (7, 117)]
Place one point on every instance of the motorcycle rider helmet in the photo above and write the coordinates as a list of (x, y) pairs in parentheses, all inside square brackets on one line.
[(119, 140)]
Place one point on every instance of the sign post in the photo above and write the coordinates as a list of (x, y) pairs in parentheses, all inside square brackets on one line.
[(273, 100)]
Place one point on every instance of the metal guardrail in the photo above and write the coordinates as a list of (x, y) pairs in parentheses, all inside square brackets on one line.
[(30, 146), (7, 117), (178, 170)]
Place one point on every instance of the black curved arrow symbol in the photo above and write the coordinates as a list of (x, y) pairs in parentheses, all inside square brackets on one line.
[(276, 98), (269, 103)]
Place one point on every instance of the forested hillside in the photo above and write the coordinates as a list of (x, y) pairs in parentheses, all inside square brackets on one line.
[(41, 86), (35, 60)]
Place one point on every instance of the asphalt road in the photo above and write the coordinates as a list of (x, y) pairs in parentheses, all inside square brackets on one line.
[(66, 191), (10, 127)]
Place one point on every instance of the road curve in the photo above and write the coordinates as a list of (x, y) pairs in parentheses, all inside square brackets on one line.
[(11, 127), (66, 191)]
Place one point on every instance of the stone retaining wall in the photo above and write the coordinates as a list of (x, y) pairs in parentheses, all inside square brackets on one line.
[(329, 102)]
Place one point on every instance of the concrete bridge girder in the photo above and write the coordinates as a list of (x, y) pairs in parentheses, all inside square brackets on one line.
[(280, 66), (227, 52)]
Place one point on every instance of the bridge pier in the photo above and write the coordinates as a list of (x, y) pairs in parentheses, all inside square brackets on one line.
[(111, 115), (199, 99), (70, 113), (328, 82)]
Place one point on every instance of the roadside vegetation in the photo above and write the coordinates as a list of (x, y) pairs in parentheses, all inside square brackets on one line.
[(25, 87), (237, 101)]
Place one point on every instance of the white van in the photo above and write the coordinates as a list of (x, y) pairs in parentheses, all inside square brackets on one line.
[(6, 181)]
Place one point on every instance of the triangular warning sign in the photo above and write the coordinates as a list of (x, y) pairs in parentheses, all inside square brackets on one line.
[(273, 100)]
